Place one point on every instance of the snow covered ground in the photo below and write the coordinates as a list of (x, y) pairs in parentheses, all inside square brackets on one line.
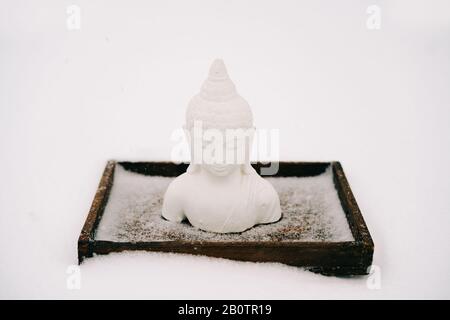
[(377, 100)]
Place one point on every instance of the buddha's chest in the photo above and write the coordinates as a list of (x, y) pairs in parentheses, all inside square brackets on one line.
[(215, 208), (213, 200)]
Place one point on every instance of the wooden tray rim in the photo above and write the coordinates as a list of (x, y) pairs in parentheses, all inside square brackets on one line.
[(363, 243)]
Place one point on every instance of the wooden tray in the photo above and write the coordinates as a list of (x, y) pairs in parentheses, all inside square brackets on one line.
[(330, 258)]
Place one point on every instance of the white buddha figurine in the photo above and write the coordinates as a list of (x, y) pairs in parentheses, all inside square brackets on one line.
[(214, 195)]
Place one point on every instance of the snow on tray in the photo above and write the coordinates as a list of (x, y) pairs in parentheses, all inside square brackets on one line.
[(310, 206)]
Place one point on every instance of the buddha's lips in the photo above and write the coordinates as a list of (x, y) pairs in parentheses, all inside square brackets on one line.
[(219, 167)]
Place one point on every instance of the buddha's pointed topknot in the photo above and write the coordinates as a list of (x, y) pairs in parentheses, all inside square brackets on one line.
[(218, 105), (218, 70), (218, 86)]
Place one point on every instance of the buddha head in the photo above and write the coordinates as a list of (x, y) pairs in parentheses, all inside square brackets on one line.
[(219, 126)]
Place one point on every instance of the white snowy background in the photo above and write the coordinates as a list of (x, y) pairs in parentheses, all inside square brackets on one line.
[(376, 100)]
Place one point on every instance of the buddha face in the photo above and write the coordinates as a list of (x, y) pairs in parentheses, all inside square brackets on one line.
[(221, 151), (219, 154)]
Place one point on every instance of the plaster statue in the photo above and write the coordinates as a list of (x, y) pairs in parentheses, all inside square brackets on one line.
[(220, 193)]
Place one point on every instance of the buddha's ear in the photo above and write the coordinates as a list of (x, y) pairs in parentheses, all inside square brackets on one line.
[(187, 133), (192, 168), (247, 168)]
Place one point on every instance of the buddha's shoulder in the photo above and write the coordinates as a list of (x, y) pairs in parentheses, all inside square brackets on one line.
[(264, 188), (267, 201), (180, 185)]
